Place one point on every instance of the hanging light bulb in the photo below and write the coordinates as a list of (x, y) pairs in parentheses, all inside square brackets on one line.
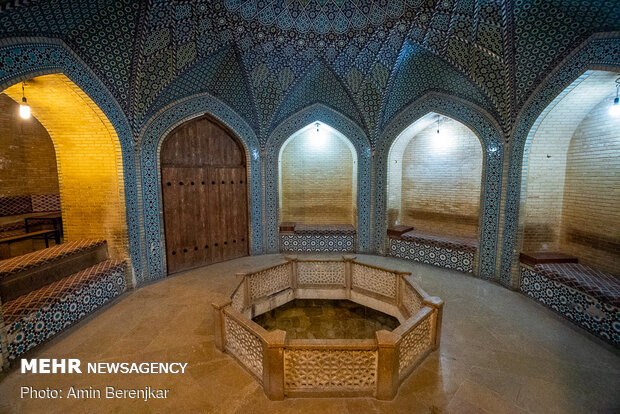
[(319, 139), (24, 108), (614, 109)]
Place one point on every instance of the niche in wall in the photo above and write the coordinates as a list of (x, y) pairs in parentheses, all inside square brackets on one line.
[(88, 157), (318, 177), (571, 176), (434, 179)]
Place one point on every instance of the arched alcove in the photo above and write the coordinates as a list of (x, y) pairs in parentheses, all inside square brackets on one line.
[(434, 178), (317, 177), (89, 160), (571, 174), (28, 175)]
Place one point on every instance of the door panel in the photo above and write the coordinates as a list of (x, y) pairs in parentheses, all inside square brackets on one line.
[(204, 193)]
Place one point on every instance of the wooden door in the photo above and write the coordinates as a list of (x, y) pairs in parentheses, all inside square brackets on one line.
[(203, 173)]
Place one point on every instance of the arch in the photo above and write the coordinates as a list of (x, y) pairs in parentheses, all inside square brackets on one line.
[(25, 58), (342, 124), (318, 148), (490, 137), (423, 166), (602, 52), (150, 140)]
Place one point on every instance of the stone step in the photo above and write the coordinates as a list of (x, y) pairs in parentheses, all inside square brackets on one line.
[(23, 274)]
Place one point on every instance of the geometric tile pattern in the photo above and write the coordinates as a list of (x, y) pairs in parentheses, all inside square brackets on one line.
[(35, 203), (15, 205), (605, 287), (317, 243), (601, 318), (370, 61), (461, 259), (34, 318), (45, 202), (467, 244), (44, 256)]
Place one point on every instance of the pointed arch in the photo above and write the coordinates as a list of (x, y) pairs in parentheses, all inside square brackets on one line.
[(25, 58), (490, 137), (602, 52), (150, 139), (348, 128)]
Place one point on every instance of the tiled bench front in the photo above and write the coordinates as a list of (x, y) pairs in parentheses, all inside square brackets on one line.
[(450, 252), (585, 296), (318, 238), (39, 315)]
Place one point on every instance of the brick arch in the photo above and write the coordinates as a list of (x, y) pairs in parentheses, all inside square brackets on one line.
[(599, 52), (359, 140), (149, 144), (25, 58), (490, 137)]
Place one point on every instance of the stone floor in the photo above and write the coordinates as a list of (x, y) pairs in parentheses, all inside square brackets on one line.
[(500, 353), (326, 319)]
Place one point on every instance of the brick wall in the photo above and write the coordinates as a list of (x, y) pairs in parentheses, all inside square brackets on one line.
[(591, 209), (27, 157), (545, 163), (318, 178), (441, 179), (89, 160)]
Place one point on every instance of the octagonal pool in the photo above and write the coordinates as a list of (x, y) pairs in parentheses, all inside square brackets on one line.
[(299, 363)]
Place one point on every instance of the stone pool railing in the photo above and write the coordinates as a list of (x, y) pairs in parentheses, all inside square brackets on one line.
[(328, 367)]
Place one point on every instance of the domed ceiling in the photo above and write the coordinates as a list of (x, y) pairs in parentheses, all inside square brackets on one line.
[(268, 59)]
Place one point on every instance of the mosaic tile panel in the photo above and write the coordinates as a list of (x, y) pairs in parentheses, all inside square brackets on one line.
[(600, 318), (350, 130), (152, 137), (34, 318), (493, 150), (316, 243), (461, 260)]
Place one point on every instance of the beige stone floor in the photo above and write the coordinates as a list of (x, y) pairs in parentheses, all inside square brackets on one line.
[(500, 353)]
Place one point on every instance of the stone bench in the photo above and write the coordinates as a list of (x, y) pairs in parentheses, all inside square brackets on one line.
[(35, 317), (317, 237), (452, 252), (584, 295)]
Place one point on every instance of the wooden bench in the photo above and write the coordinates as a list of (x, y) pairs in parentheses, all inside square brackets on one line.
[(40, 234)]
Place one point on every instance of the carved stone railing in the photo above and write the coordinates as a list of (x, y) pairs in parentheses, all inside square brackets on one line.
[(328, 367)]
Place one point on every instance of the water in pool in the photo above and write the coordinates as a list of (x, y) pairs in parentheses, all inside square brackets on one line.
[(326, 319)]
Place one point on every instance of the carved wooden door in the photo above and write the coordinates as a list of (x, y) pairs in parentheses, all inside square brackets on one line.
[(204, 192)]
